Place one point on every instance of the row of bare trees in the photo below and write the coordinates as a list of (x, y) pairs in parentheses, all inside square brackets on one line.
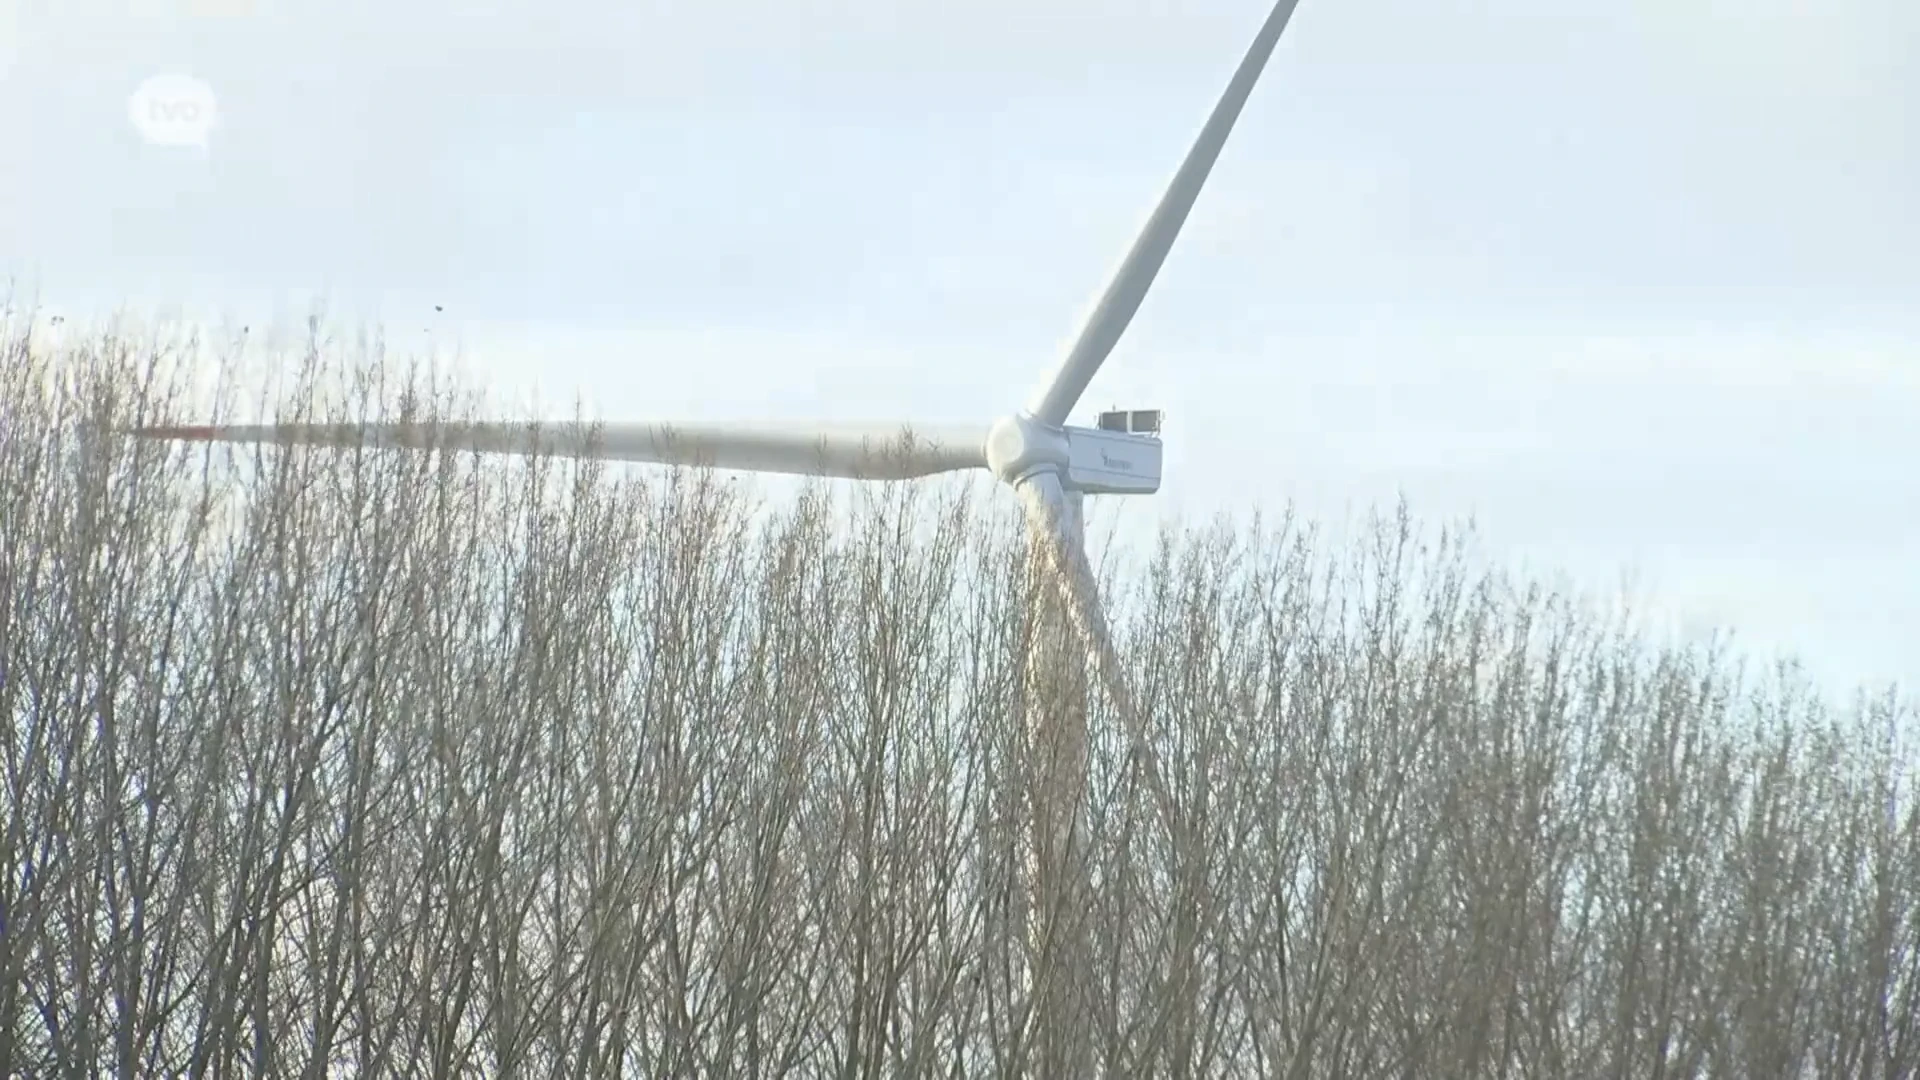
[(371, 763)]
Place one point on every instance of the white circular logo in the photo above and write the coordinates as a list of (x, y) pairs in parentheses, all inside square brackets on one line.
[(173, 110)]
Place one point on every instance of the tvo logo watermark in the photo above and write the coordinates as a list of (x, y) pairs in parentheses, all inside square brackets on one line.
[(174, 110)]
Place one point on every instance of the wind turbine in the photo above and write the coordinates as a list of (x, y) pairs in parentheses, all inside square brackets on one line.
[(1049, 462)]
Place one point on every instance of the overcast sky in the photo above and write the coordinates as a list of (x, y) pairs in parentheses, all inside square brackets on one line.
[(1636, 283)]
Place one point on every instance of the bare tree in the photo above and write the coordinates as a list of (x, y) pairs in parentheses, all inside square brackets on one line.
[(362, 762)]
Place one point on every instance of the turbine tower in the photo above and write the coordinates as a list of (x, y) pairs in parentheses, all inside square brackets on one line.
[(1050, 463)]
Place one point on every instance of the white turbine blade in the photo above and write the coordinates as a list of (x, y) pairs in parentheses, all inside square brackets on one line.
[(1051, 528), (869, 451), (1130, 283)]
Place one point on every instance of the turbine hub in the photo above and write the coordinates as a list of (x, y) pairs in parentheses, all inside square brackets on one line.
[(1020, 444)]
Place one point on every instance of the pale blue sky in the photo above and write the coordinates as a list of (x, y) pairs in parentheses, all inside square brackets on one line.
[(1637, 283)]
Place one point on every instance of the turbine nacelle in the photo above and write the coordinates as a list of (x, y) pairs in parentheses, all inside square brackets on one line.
[(1112, 463), (1087, 460)]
